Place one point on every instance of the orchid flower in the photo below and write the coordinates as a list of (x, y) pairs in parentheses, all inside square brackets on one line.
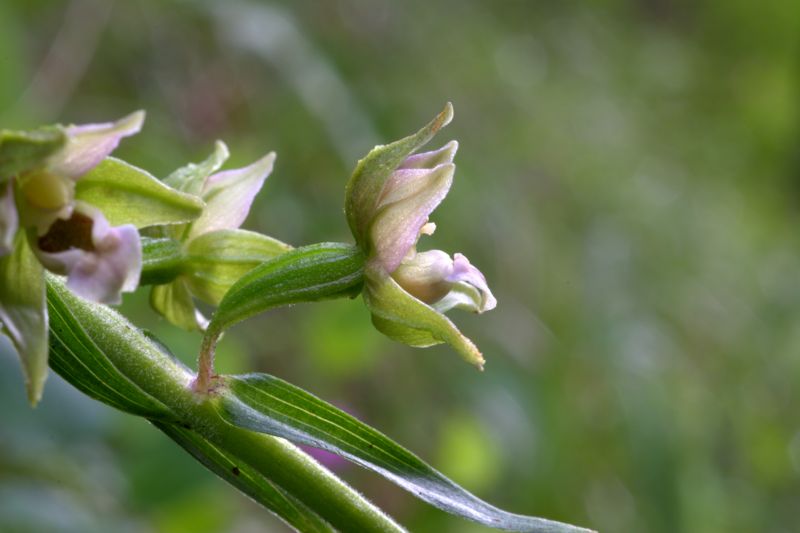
[(214, 251), (388, 203), (43, 226)]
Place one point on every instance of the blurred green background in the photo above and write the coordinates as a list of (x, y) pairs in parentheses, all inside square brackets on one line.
[(628, 181)]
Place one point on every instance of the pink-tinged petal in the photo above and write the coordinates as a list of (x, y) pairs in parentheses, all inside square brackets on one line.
[(445, 154), (99, 261), (9, 221), (405, 208), (89, 144), (463, 271), (229, 195)]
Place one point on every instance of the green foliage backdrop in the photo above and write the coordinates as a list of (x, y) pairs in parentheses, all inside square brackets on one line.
[(628, 181)]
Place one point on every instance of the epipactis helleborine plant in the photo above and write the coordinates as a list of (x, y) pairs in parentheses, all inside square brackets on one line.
[(44, 226), (388, 203)]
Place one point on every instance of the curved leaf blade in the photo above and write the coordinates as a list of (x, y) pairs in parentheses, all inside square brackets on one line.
[(307, 274), (247, 480), (264, 403)]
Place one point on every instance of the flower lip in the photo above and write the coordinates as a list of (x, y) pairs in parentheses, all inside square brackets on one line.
[(75, 232), (99, 260)]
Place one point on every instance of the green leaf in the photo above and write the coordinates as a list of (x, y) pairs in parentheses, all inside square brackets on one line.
[(174, 302), (26, 150), (129, 195), (23, 312), (75, 356), (190, 178), (216, 260), (246, 479), (403, 318), (267, 404), (307, 274), (366, 184)]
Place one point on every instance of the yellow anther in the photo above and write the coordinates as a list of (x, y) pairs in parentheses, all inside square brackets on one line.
[(44, 190)]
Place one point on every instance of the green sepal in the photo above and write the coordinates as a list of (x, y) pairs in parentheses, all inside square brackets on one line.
[(246, 479), (307, 274), (23, 313), (162, 260), (370, 175), (267, 404), (403, 318), (129, 195), (27, 150), (191, 178), (174, 302), (216, 260)]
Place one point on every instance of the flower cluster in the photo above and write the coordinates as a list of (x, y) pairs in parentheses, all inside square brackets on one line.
[(69, 208)]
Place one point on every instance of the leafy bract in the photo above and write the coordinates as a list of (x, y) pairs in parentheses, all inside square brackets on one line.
[(307, 274), (267, 404)]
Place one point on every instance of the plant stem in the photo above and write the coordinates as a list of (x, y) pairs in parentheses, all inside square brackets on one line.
[(205, 362), (156, 373)]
